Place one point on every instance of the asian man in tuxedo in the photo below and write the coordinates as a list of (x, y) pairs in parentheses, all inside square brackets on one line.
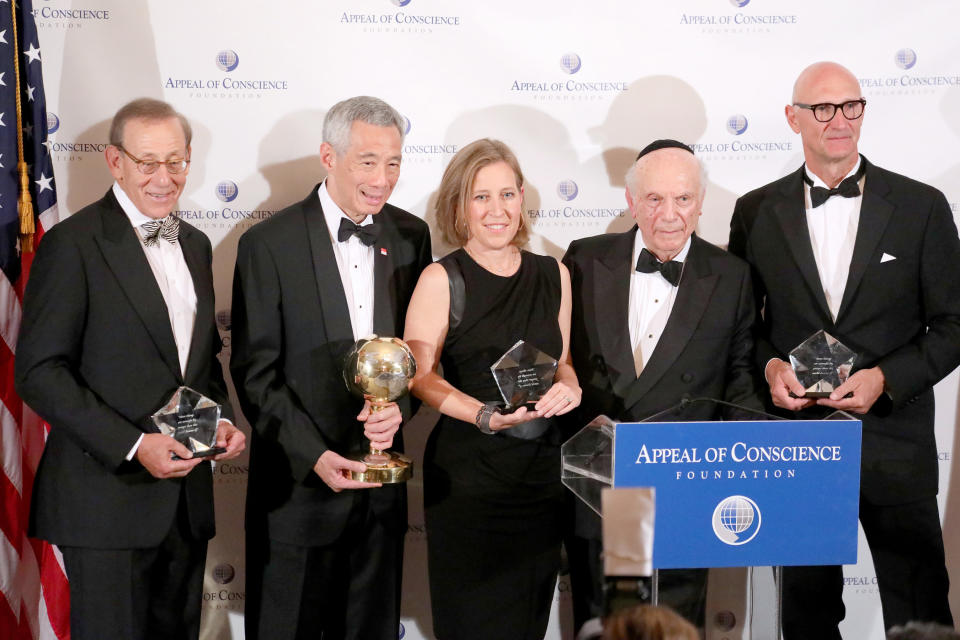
[(324, 551)]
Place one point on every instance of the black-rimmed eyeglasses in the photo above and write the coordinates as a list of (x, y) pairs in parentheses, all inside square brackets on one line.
[(148, 167), (824, 111)]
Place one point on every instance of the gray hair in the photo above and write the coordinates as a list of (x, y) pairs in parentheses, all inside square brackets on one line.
[(149, 109), (340, 118), (630, 179)]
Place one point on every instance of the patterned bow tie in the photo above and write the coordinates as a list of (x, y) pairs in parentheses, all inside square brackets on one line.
[(671, 270), (167, 228), (367, 234), (848, 188)]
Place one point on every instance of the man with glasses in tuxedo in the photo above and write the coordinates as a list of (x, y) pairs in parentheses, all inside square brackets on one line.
[(118, 314), (869, 256)]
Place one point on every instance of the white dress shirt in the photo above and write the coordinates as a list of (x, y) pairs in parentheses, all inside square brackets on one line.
[(355, 262), (651, 301), (174, 280), (833, 233)]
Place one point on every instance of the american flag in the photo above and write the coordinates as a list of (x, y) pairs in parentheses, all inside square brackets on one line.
[(34, 596)]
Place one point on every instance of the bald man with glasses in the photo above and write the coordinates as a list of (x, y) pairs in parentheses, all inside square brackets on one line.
[(869, 256)]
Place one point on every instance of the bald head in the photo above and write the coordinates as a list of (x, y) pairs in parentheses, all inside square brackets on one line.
[(829, 147), (819, 73)]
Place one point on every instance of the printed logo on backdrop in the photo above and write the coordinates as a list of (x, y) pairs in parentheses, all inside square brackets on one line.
[(227, 192), (862, 584), (740, 142), (589, 86), (63, 15), (224, 324), (418, 150), (758, 18), (65, 150), (907, 78), (226, 598), (566, 209), (228, 60), (222, 81), (376, 16), (224, 573)]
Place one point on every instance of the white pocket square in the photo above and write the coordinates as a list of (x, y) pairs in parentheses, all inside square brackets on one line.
[(887, 258)]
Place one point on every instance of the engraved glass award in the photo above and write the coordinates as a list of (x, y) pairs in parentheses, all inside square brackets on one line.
[(822, 363), (191, 419), (523, 374)]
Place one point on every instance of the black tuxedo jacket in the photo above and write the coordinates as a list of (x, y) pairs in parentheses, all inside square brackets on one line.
[(900, 310), (705, 351), (291, 331), (96, 357)]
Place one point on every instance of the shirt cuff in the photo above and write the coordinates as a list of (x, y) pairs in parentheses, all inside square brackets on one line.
[(136, 445)]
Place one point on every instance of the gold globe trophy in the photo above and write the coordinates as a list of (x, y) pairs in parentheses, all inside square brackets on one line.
[(380, 369)]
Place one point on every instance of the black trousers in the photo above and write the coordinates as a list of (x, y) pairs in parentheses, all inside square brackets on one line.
[(346, 590), (907, 548), (138, 594)]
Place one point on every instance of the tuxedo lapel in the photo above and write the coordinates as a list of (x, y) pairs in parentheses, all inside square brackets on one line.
[(791, 215), (123, 253), (875, 213), (693, 296), (384, 291), (611, 309), (192, 246), (332, 299)]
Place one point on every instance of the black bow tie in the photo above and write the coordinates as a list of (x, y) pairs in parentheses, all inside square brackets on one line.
[(366, 233), (167, 228), (848, 188), (671, 270)]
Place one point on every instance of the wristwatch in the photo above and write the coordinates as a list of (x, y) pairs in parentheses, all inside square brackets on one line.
[(484, 413)]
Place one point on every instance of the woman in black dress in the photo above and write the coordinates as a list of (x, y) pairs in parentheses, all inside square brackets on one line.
[(493, 497)]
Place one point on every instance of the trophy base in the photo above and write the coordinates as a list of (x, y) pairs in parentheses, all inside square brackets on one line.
[(394, 468), (813, 395), (208, 453)]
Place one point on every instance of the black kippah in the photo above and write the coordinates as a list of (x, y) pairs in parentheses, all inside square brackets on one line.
[(666, 143)]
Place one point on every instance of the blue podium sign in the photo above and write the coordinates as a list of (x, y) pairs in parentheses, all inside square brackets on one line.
[(739, 494)]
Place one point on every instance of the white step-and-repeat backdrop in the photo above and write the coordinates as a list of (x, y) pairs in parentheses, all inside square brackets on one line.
[(574, 87)]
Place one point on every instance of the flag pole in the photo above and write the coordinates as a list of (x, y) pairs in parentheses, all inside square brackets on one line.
[(24, 202)]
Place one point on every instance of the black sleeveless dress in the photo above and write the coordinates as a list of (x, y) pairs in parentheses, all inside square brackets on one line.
[(494, 503)]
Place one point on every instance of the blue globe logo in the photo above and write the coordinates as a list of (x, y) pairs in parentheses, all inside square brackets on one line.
[(737, 124), (736, 520), (905, 58), (223, 573), (403, 630), (739, 3), (227, 191), (406, 124), (400, 3), (53, 122), (570, 63), (567, 189), (227, 60)]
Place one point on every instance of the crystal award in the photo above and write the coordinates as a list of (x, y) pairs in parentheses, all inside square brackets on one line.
[(191, 419), (822, 363), (523, 374)]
